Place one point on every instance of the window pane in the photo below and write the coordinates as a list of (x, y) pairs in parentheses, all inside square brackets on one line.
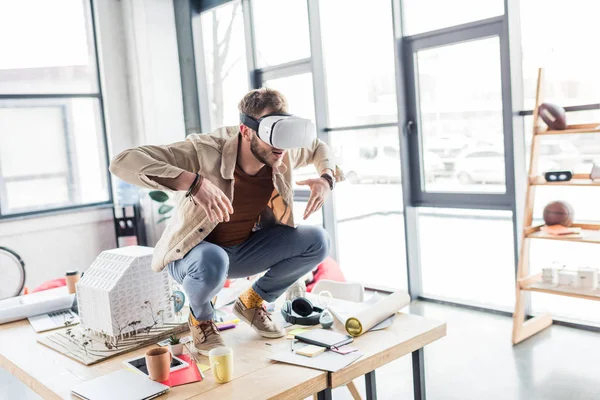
[(428, 15), (361, 90), (298, 90), (315, 219), (52, 154), (225, 62), (370, 225), (281, 31), (460, 107), (460, 264), (571, 69), (46, 47)]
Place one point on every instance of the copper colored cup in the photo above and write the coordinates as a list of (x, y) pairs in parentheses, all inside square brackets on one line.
[(159, 363)]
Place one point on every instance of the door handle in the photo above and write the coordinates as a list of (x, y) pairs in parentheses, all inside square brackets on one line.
[(409, 127)]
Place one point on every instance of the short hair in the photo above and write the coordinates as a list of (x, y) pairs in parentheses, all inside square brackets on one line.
[(258, 100)]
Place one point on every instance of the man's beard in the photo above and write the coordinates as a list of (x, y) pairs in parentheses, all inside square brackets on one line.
[(259, 153)]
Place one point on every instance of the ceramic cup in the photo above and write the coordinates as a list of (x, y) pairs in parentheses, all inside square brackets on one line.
[(221, 363), (159, 363)]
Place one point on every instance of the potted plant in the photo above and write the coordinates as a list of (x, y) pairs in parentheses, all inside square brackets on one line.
[(175, 345)]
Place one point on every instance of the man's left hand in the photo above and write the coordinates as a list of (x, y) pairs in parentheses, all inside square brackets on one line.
[(319, 190)]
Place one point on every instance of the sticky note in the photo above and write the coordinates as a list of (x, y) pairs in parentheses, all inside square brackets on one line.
[(295, 332), (310, 351), (203, 367)]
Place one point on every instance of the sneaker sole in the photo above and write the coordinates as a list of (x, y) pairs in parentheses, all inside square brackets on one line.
[(269, 335)]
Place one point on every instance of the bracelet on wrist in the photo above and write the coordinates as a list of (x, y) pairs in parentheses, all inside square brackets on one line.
[(191, 188), (329, 180)]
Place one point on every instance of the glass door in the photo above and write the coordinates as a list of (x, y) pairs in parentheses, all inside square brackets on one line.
[(456, 118)]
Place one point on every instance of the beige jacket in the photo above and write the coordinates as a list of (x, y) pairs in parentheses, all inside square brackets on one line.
[(214, 156)]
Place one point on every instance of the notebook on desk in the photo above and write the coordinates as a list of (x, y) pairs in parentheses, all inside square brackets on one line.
[(119, 385), (324, 338)]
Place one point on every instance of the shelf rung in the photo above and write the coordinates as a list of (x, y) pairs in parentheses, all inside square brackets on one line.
[(541, 181), (562, 291), (573, 129), (590, 234)]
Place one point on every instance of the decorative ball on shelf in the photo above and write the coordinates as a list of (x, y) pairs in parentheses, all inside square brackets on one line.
[(554, 116), (558, 213)]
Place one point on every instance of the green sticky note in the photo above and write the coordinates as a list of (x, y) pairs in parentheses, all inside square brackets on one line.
[(203, 367), (297, 331)]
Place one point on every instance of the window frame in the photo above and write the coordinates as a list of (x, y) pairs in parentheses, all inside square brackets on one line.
[(91, 25)]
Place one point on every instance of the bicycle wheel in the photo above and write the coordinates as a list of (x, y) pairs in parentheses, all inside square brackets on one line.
[(13, 273)]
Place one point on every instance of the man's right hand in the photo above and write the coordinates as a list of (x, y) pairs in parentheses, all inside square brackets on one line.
[(214, 202)]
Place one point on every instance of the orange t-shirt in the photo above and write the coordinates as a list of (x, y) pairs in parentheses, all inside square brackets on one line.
[(250, 197)]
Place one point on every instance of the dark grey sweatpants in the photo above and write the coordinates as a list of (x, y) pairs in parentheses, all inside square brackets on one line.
[(285, 253)]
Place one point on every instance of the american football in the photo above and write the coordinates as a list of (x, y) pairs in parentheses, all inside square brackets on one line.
[(553, 116)]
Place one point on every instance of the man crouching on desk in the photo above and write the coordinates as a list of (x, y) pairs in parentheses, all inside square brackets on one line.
[(234, 214)]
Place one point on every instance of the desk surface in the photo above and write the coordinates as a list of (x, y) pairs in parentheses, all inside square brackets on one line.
[(407, 334), (51, 375)]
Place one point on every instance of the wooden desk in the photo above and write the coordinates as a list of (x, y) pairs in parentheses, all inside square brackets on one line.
[(408, 334), (51, 375)]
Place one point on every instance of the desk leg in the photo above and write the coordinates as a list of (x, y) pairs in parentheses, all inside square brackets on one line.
[(418, 366), (371, 387), (324, 394)]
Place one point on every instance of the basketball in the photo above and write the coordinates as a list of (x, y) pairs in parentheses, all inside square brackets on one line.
[(558, 213)]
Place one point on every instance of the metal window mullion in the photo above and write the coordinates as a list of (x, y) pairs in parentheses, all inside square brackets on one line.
[(249, 36), (283, 71), (187, 66), (358, 127), (29, 96), (456, 37), (321, 111), (101, 103), (453, 30), (580, 107), (411, 217), (204, 102), (517, 148)]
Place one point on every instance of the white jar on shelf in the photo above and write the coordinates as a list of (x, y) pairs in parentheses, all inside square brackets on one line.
[(588, 277), (550, 275), (568, 278)]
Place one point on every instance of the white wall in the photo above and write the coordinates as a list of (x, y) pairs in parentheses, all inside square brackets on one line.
[(142, 98), (53, 244)]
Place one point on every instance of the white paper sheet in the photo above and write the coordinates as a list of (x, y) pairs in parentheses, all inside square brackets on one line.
[(327, 361)]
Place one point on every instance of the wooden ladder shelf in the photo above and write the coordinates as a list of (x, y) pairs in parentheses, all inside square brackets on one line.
[(591, 232)]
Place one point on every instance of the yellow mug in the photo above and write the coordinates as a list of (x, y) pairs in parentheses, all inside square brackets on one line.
[(221, 363)]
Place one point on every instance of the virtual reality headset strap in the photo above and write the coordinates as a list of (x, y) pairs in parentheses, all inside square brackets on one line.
[(253, 123)]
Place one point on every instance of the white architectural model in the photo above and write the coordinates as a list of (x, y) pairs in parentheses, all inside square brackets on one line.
[(120, 294)]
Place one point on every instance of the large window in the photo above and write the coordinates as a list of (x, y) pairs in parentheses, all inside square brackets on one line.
[(369, 207), (560, 42), (460, 105), (359, 63), (281, 31), (222, 31), (52, 141), (428, 15), (361, 91)]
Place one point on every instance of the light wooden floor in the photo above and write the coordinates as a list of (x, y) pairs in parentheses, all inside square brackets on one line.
[(475, 361)]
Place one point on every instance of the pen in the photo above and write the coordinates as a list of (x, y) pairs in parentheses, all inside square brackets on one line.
[(292, 344), (233, 321)]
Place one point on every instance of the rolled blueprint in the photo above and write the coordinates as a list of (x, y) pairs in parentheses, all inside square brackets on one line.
[(366, 318)]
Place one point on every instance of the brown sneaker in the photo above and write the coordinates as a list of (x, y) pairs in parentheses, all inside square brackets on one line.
[(206, 335), (259, 319)]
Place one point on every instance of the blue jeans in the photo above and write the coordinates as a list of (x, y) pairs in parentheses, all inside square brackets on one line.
[(285, 253)]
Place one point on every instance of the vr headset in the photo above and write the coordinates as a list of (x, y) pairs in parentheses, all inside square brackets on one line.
[(301, 312), (282, 131)]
